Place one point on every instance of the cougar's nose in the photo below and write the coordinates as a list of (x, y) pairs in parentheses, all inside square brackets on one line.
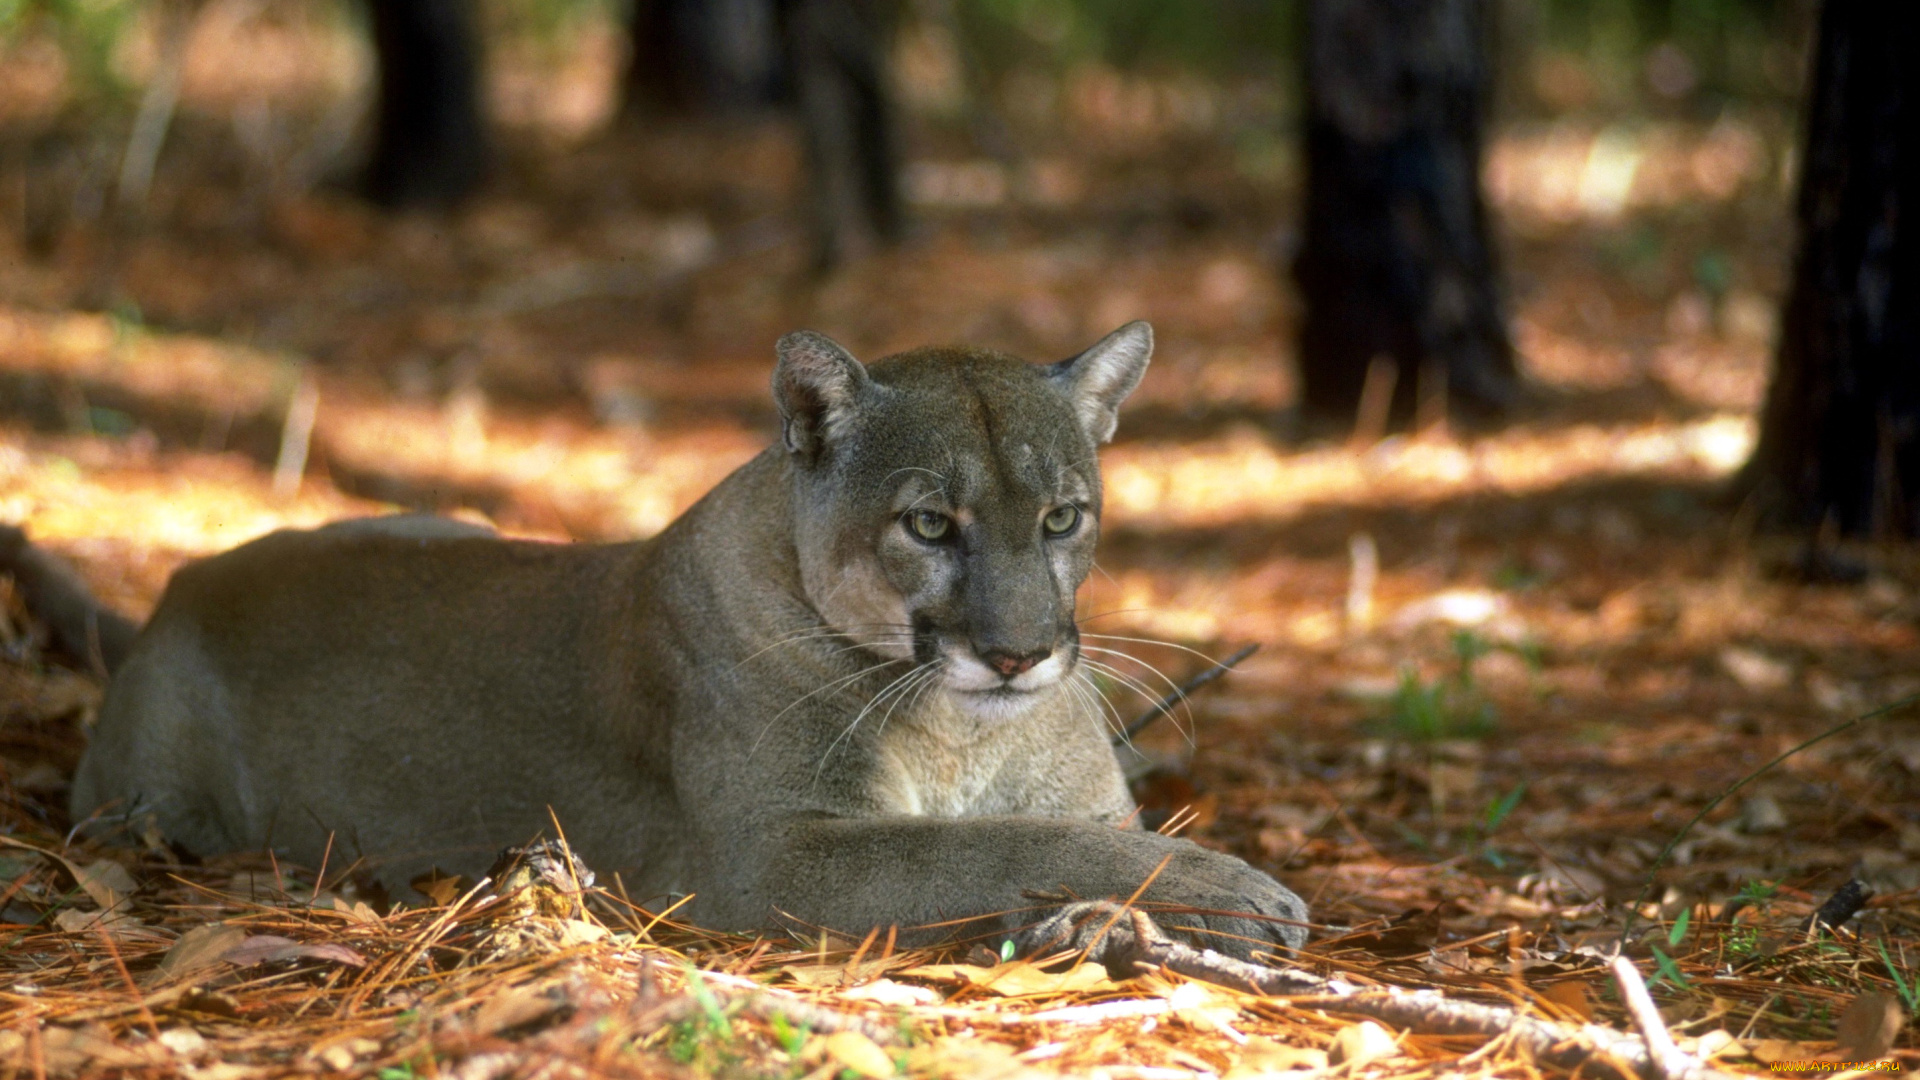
[(1011, 664)]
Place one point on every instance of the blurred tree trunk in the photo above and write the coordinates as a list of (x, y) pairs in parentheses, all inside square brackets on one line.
[(1396, 270), (827, 57), (689, 57), (837, 51), (430, 142), (1840, 431)]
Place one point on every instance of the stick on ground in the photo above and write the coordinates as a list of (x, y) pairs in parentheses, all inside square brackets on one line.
[(1180, 693), (1596, 1049)]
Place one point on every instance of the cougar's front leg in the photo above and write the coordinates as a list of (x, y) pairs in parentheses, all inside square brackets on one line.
[(938, 878)]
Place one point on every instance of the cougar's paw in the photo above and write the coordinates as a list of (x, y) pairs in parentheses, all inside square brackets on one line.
[(1215, 901), (1199, 897), (1107, 932)]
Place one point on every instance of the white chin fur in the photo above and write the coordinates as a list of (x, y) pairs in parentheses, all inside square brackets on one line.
[(981, 691)]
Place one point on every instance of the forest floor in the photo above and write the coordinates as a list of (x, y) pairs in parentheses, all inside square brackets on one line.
[(1499, 671)]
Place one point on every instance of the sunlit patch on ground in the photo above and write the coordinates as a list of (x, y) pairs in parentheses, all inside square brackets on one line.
[(1218, 482)]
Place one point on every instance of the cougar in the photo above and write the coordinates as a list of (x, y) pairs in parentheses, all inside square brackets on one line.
[(844, 691)]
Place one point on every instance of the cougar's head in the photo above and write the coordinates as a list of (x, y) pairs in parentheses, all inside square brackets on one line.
[(947, 502)]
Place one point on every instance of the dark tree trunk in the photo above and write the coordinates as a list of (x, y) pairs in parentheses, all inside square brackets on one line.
[(702, 56), (1840, 431), (1396, 271), (430, 144), (836, 49), (825, 57)]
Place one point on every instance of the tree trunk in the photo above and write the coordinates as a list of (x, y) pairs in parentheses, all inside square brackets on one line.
[(1840, 431), (1396, 270), (689, 57), (825, 57), (836, 49), (430, 143)]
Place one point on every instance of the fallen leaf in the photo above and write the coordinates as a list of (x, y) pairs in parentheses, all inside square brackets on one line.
[(1867, 1029), (106, 882), (79, 922), (270, 948), (1262, 1056), (1017, 979), (816, 974), (1714, 1044), (1358, 1044), (954, 1057), (74, 921), (580, 932), (1454, 607), (1205, 1008), (339, 1056), (1755, 671), (888, 992), (518, 1006), (1760, 814), (1573, 996), (852, 1050), (228, 1070), (90, 1049), (184, 1042), (1772, 1051), (439, 887), (198, 948), (1410, 933), (359, 910), (210, 1002)]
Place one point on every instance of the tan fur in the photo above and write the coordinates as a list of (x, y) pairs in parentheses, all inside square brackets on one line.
[(710, 711)]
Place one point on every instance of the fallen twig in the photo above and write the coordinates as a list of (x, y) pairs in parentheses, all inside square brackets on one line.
[(1426, 1012), (1180, 693), (652, 1009), (1662, 1055)]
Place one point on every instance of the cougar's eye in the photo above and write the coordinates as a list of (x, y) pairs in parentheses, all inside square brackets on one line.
[(928, 525), (1060, 520)]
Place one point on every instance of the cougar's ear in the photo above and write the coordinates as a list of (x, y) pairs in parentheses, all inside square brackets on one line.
[(815, 383), (1098, 380)]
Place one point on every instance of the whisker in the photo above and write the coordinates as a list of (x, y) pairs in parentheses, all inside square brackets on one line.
[(828, 628), (1115, 611), (857, 646), (925, 685), (812, 633), (1103, 709), (1211, 662), (1137, 687), (1079, 703), (1171, 685), (1110, 712), (1177, 694), (1095, 705), (847, 732), (835, 684), (1111, 672), (920, 683)]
